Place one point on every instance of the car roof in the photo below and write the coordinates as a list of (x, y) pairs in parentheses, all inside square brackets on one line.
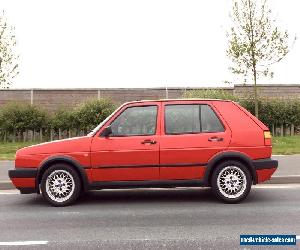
[(180, 99)]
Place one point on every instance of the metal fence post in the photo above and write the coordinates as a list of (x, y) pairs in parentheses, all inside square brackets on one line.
[(31, 97)]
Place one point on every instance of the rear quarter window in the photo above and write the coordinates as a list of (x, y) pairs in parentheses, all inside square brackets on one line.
[(209, 120)]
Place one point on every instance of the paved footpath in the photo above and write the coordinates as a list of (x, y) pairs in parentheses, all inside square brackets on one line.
[(287, 172), (288, 164)]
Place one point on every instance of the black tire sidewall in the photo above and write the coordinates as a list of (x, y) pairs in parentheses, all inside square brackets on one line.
[(77, 182), (215, 187)]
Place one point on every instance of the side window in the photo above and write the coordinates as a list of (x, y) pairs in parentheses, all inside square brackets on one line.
[(209, 120), (194, 118), (135, 121), (182, 119)]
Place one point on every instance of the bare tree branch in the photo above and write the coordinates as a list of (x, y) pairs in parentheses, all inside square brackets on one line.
[(8, 55), (255, 41)]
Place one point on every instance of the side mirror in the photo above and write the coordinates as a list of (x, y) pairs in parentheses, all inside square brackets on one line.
[(106, 132)]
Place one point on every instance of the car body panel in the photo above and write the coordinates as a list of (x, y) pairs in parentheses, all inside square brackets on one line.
[(181, 159), (77, 148), (247, 131), (264, 174)]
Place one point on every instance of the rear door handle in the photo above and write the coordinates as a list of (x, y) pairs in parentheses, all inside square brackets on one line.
[(215, 138), (148, 141)]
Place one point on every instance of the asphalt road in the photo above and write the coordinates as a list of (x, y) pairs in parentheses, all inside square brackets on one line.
[(148, 219)]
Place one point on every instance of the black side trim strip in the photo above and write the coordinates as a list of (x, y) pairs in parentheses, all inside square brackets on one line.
[(142, 184), (265, 164), (86, 167), (153, 166), (22, 173), (184, 165)]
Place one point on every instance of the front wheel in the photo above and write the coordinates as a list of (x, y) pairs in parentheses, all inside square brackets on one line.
[(231, 181), (60, 185)]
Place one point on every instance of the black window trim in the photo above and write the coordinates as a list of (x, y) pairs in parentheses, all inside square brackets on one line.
[(137, 106), (191, 133)]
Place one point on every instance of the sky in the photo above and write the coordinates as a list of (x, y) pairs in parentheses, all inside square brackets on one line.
[(134, 43)]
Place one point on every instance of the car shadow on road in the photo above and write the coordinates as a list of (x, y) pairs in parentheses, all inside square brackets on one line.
[(149, 196), (127, 196)]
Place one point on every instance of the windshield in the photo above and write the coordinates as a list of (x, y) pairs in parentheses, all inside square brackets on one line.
[(94, 131)]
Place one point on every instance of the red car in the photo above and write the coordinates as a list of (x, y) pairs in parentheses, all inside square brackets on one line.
[(163, 143)]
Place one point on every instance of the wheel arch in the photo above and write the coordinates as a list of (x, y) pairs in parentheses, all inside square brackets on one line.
[(65, 160), (226, 156)]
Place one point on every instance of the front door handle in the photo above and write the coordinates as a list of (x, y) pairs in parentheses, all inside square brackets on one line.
[(215, 138), (148, 141)]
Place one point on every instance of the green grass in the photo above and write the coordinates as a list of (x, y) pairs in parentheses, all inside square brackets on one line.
[(8, 149), (281, 145), (286, 145)]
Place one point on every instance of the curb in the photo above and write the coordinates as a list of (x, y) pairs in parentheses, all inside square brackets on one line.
[(288, 179), (6, 185)]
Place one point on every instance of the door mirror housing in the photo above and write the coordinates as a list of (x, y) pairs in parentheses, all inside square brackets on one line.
[(106, 132)]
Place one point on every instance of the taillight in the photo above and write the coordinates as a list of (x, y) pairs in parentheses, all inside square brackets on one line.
[(268, 138)]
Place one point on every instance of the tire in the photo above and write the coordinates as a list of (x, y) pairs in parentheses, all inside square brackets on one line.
[(60, 185), (231, 181)]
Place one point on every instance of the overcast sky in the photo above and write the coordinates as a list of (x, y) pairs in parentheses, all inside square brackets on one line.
[(133, 43)]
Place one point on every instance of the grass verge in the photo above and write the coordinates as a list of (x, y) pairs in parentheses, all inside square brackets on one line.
[(8, 149), (286, 145)]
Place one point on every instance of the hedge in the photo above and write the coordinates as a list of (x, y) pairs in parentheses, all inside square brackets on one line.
[(280, 115), (24, 122)]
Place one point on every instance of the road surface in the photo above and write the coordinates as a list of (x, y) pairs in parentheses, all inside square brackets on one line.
[(183, 218)]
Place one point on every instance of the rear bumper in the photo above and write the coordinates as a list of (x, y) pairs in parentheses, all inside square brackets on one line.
[(24, 179), (264, 169)]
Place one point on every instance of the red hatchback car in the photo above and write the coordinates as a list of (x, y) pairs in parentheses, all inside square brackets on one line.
[(163, 143)]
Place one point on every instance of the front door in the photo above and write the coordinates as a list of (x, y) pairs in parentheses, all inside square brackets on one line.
[(192, 134), (131, 152)]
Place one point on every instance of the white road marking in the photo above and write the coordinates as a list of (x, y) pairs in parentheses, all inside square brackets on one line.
[(22, 243), (274, 186), (11, 191), (286, 176), (68, 212), (266, 186)]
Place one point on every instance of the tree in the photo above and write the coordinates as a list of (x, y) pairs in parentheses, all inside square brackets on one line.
[(255, 42), (8, 57)]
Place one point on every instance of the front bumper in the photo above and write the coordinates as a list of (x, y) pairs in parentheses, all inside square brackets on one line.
[(264, 169), (24, 179)]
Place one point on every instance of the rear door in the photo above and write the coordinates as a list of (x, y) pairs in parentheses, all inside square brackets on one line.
[(192, 132)]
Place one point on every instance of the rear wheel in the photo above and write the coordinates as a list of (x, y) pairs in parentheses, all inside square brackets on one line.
[(60, 185), (231, 181)]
